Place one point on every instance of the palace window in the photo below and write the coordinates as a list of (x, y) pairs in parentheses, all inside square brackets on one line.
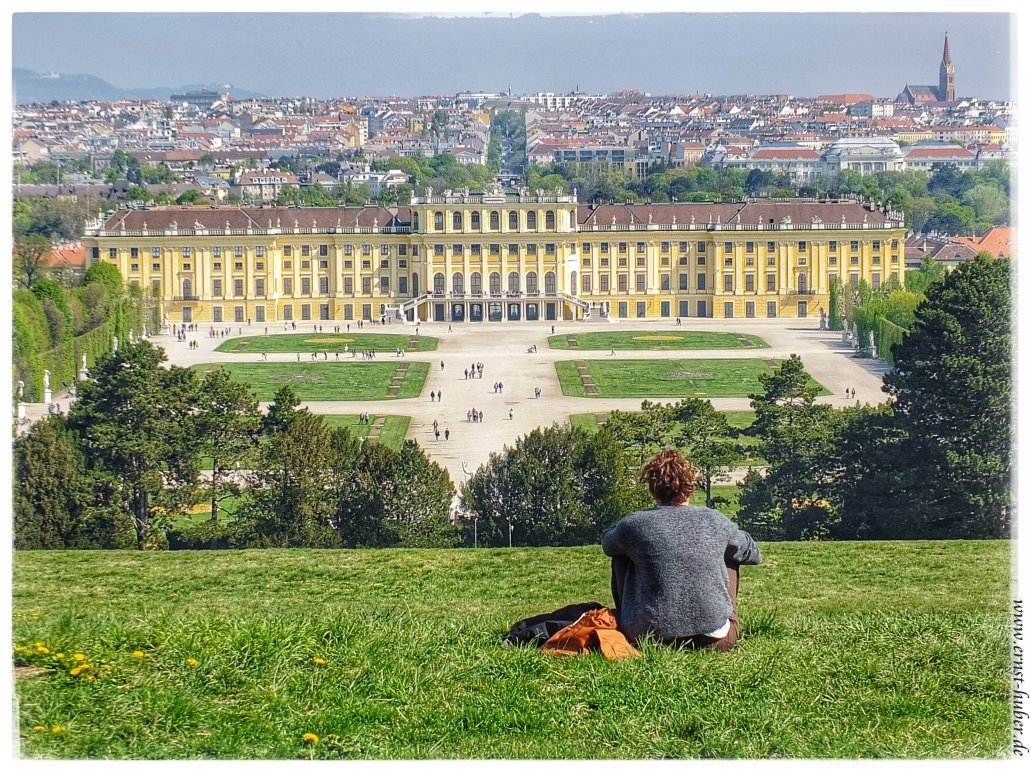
[(475, 221), (495, 221), (456, 221), (531, 221), (549, 220), (513, 221)]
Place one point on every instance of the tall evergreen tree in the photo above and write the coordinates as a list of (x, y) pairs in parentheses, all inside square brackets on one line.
[(227, 423), (952, 387), (135, 421)]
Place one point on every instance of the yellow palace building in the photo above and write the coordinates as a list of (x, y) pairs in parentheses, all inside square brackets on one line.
[(492, 255)]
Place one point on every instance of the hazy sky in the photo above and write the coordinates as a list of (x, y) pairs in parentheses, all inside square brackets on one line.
[(344, 54)]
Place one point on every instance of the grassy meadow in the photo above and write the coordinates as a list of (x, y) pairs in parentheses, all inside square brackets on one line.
[(656, 340), (667, 377), (317, 342), (849, 650), (314, 381)]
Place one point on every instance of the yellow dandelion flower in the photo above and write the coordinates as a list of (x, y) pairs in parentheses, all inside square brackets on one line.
[(57, 729), (138, 654), (102, 677), (42, 649), (38, 728), (310, 737), (89, 678), (332, 737), (107, 667), (78, 657), (192, 662), (58, 655), (75, 671), (318, 661), (37, 644)]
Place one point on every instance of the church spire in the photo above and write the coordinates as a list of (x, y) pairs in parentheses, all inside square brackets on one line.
[(946, 87)]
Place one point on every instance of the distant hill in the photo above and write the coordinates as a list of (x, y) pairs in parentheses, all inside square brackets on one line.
[(30, 87)]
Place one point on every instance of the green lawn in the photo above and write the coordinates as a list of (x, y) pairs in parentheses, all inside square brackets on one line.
[(667, 377), (657, 340), (849, 650), (351, 380), (306, 343), (395, 427)]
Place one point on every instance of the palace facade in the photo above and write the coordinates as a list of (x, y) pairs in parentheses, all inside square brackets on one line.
[(499, 256)]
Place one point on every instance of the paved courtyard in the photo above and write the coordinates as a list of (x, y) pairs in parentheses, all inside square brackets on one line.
[(503, 350)]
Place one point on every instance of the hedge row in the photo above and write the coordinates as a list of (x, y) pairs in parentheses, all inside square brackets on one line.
[(65, 361), (885, 336)]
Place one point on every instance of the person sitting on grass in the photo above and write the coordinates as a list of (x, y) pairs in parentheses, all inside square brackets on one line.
[(675, 567)]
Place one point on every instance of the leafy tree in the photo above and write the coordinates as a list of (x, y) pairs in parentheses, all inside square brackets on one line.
[(952, 386), (555, 486), (192, 196), (929, 272), (30, 258), (706, 440), (57, 503), (227, 423), (387, 498), (989, 203), (289, 503), (796, 439), (951, 218), (135, 424), (865, 474), (439, 123), (644, 432), (46, 471), (106, 276)]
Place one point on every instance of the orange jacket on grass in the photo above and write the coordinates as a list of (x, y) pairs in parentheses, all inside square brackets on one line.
[(595, 630)]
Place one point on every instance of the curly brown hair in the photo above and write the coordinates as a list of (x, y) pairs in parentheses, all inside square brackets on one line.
[(670, 477)]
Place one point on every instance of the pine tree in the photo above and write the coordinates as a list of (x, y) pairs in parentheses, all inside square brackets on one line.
[(952, 386), (135, 421)]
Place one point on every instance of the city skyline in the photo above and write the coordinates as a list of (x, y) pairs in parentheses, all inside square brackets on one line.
[(408, 54)]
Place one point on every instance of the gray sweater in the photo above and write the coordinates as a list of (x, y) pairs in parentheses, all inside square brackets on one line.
[(675, 583)]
